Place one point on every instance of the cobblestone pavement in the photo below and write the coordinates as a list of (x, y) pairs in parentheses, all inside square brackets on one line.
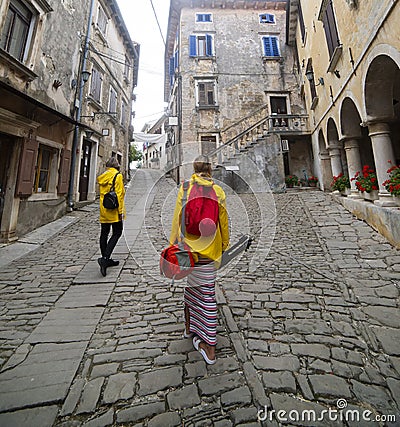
[(308, 320)]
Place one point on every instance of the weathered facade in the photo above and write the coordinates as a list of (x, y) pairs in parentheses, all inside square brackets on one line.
[(154, 139), (231, 81), (351, 79), (42, 47)]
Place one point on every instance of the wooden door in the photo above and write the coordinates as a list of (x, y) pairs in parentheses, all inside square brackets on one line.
[(85, 169)]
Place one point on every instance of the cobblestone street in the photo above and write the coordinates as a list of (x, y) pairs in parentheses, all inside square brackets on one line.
[(308, 320)]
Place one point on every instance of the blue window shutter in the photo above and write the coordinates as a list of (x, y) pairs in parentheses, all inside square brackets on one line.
[(192, 46), (271, 47), (171, 66), (199, 17), (270, 18), (207, 17), (209, 51), (275, 47), (176, 60)]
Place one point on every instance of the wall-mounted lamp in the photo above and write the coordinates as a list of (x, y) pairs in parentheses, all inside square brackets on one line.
[(85, 75), (89, 133), (310, 77), (337, 74)]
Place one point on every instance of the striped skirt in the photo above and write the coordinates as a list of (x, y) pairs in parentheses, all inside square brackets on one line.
[(199, 297)]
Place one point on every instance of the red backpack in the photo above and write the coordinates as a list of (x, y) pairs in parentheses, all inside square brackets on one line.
[(202, 210)]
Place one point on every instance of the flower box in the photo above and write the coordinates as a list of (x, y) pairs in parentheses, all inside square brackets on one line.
[(371, 196)]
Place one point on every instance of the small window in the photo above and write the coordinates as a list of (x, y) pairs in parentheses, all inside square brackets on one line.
[(14, 37), (331, 33), (124, 109), (271, 46), (95, 85), (206, 94), (42, 178), (112, 105), (127, 67), (267, 18), (102, 20), (301, 22), (201, 45), (203, 17), (208, 144)]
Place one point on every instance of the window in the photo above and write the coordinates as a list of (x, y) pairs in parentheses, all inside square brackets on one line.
[(313, 91), (206, 93), (201, 45), (124, 108), (112, 104), (95, 86), (203, 17), (208, 143), (278, 104), (271, 46), (17, 26), (327, 17), (301, 22), (267, 18), (102, 20), (42, 178), (127, 67)]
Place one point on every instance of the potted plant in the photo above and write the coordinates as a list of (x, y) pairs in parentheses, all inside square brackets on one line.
[(291, 180), (392, 184), (340, 183), (367, 183), (312, 181)]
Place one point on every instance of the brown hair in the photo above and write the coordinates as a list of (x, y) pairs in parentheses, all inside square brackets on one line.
[(112, 162), (202, 165)]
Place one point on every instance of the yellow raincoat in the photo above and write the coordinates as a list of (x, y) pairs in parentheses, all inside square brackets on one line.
[(206, 246), (105, 183)]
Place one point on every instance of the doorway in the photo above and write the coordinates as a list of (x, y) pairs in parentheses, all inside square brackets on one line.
[(5, 150), (85, 169)]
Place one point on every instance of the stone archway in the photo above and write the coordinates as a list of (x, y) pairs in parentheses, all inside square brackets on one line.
[(357, 144), (336, 153), (325, 163), (382, 99)]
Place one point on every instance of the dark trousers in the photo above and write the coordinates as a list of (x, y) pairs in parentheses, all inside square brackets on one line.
[(107, 246)]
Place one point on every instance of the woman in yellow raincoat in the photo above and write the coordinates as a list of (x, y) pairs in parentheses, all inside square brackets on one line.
[(199, 295), (110, 217)]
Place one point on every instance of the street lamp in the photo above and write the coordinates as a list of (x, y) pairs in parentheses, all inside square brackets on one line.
[(85, 76), (310, 77)]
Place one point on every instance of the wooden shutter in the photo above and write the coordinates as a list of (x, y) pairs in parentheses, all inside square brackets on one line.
[(27, 166), (63, 173), (209, 50), (192, 46), (171, 66), (331, 33), (301, 22), (271, 46)]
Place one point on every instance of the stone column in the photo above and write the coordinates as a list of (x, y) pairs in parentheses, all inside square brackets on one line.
[(383, 152), (352, 150), (334, 154)]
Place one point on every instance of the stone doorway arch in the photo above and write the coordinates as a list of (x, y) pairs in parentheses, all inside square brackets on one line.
[(356, 142), (335, 147), (382, 99), (325, 162)]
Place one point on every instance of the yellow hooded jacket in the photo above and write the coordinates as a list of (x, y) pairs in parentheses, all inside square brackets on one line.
[(105, 183), (206, 246)]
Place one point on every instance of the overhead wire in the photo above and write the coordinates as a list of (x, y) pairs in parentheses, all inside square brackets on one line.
[(158, 23)]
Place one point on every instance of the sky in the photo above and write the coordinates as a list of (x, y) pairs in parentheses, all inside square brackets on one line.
[(142, 26)]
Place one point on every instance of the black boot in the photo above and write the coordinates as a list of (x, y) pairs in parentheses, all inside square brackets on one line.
[(103, 265), (112, 263)]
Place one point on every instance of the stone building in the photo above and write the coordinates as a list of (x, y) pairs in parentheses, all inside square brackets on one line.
[(153, 138), (232, 84), (351, 79), (48, 122)]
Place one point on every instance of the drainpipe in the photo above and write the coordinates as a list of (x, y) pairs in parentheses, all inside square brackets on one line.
[(75, 140)]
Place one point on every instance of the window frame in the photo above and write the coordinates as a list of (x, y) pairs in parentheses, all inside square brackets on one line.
[(51, 181), (207, 45), (25, 44), (204, 142), (112, 100), (124, 111), (328, 17), (270, 37), (267, 19), (96, 84), (199, 101), (102, 16), (204, 15)]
